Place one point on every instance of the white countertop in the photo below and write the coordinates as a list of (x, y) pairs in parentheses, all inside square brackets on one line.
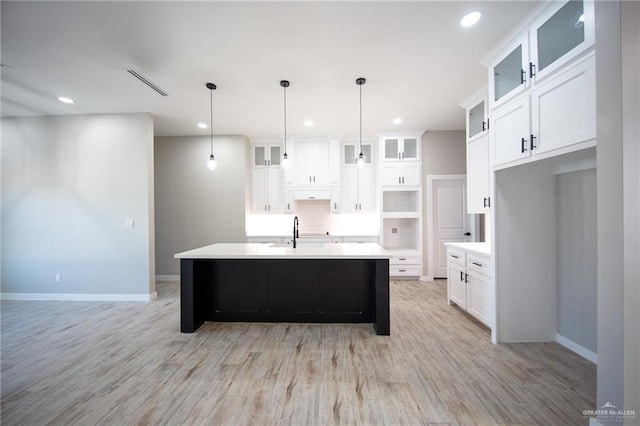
[(480, 248), (275, 251)]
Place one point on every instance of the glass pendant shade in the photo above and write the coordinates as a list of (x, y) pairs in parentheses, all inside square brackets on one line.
[(212, 164)]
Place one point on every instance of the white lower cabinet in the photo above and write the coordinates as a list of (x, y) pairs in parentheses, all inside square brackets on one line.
[(469, 283)]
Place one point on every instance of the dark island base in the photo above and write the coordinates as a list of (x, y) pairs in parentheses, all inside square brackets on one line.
[(284, 290)]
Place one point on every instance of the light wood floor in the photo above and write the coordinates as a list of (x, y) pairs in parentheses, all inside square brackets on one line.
[(127, 362)]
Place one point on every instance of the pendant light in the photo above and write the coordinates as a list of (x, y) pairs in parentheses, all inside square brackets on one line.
[(360, 160), (285, 157), (211, 162)]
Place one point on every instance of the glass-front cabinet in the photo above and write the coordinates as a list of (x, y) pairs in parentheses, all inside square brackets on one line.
[(559, 35), (398, 148), (266, 155), (351, 151), (507, 74)]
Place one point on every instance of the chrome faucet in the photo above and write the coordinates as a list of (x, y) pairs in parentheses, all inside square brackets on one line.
[(295, 231)]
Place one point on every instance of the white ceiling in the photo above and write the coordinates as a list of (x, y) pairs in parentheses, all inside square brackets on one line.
[(418, 62)]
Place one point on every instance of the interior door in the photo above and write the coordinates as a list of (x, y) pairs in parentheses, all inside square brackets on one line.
[(451, 223)]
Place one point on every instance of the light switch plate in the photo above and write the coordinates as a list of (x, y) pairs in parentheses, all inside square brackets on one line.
[(130, 223)]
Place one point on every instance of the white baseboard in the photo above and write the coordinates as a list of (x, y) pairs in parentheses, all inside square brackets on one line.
[(580, 350), (425, 278), (175, 278), (80, 297)]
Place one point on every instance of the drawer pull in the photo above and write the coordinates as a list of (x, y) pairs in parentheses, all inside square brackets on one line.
[(402, 270), (454, 256), (477, 264), (402, 258)]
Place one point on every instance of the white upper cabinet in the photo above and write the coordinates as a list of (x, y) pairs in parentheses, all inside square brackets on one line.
[(267, 155), (510, 132), (560, 34), (478, 198), (358, 184), (507, 74), (268, 190), (401, 148), (401, 175), (312, 163)]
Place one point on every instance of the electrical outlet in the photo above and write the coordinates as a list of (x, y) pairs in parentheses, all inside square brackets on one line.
[(58, 278)]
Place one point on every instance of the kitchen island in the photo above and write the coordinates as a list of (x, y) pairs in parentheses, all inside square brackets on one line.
[(337, 283)]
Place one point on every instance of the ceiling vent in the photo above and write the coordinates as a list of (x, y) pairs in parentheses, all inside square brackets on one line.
[(147, 82)]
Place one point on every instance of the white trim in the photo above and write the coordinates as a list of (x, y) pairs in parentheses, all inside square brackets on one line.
[(80, 297), (430, 248), (574, 347), (175, 278), (424, 278)]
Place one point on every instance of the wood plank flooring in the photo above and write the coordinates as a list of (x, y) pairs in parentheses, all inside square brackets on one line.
[(127, 363)]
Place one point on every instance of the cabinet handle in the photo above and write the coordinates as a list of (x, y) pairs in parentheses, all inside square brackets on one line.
[(402, 258), (487, 202), (523, 145), (461, 279), (265, 207), (399, 157), (402, 270), (532, 70), (312, 198), (314, 179), (360, 206), (403, 179), (454, 256), (309, 179), (477, 264), (466, 278), (488, 123), (532, 142), (288, 206), (484, 126), (523, 76), (484, 202), (399, 179), (403, 155), (268, 162), (269, 207), (335, 206)]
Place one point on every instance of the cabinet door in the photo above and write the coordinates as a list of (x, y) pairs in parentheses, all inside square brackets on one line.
[(349, 189), (259, 190), (275, 185), (456, 286), (367, 189), (563, 109), (507, 75), (334, 161), (304, 163), (479, 300), (510, 132), (336, 199), (478, 175), (391, 149), (321, 163), (565, 30), (260, 156), (392, 174), (410, 149), (288, 200), (411, 174), (476, 120), (274, 155)]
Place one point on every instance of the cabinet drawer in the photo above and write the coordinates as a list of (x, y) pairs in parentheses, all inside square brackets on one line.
[(404, 260), (320, 193), (404, 270), (478, 264), (455, 256)]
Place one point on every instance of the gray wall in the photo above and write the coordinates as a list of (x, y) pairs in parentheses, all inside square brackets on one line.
[(631, 196), (195, 206), (443, 153), (69, 184), (577, 257)]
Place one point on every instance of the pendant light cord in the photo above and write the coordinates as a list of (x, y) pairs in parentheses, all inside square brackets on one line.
[(285, 119), (360, 119), (211, 117)]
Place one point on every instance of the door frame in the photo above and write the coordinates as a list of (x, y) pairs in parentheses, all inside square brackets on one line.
[(431, 179)]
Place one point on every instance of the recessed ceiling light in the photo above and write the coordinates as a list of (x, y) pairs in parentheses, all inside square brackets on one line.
[(65, 100), (397, 120), (202, 125), (470, 19), (308, 123)]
